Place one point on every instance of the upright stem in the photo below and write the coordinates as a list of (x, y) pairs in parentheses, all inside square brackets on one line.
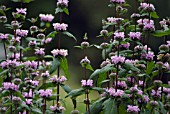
[(58, 86), (21, 50), (11, 105), (44, 109), (5, 50)]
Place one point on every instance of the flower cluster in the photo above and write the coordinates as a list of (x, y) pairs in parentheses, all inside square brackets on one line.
[(10, 86), (62, 3), (22, 33), (56, 79), (135, 35), (45, 93), (87, 83), (57, 108), (46, 17), (119, 35), (133, 109), (118, 1), (112, 92), (59, 52), (117, 59), (60, 27)]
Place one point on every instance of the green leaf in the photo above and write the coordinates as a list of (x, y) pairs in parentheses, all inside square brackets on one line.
[(23, 1), (66, 88), (161, 106), (66, 11), (154, 15), (33, 39), (100, 90), (58, 10), (1, 81), (122, 109), (110, 106), (55, 65), (103, 70), (52, 34), (69, 35), (47, 85), (97, 106), (18, 94), (4, 72), (150, 66), (129, 66), (88, 66), (64, 66), (160, 33), (102, 79), (7, 104), (75, 93), (35, 110), (30, 58)]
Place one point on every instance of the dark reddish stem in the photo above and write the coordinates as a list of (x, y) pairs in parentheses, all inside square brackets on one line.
[(5, 50)]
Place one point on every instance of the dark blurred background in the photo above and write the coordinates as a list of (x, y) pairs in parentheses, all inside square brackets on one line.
[(85, 17)]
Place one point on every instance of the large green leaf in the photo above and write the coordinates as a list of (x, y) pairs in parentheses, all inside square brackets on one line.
[(129, 66), (160, 33), (47, 85), (64, 66), (55, 65), (97, 106), (66, 88), (150, 66), (110, 107), (69, 35), (154, 15), (1, 81), (162, 109), (52, 34), (103, 70), (35, 110), (75, 93)]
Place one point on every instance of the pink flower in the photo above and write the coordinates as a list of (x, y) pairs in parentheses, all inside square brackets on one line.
[(22, 33), (135, 35), (21, 11), (46, 18), (133, 109), (56, 79), (117, 59), (40, 52), (119, 35), (118, 1), (45, 93), (62, 3), (46, 74), (87, 83), (4, 36), (60, 27), (112, 92), (61, 52), (10, 86)]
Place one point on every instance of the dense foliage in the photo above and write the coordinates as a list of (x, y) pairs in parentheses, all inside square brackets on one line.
[(129, 80)]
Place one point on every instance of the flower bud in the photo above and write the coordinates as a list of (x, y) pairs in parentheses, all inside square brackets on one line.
[(154, 103), (85, 61), (3, 8), (12, 48), (85, 45), (17, 81), (104, 45), (104, 32), (15, 24), (16, 100), (112, 75), (3, 19), (41, 36), (166, 58), (167, 106), (141, 66), (74, 112), (157, 83), (164, 48), (34, 28)]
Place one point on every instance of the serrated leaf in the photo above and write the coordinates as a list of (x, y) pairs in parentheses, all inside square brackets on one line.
[(70, 35)]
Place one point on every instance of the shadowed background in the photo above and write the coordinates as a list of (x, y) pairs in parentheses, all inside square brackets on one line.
[(85, 17)]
